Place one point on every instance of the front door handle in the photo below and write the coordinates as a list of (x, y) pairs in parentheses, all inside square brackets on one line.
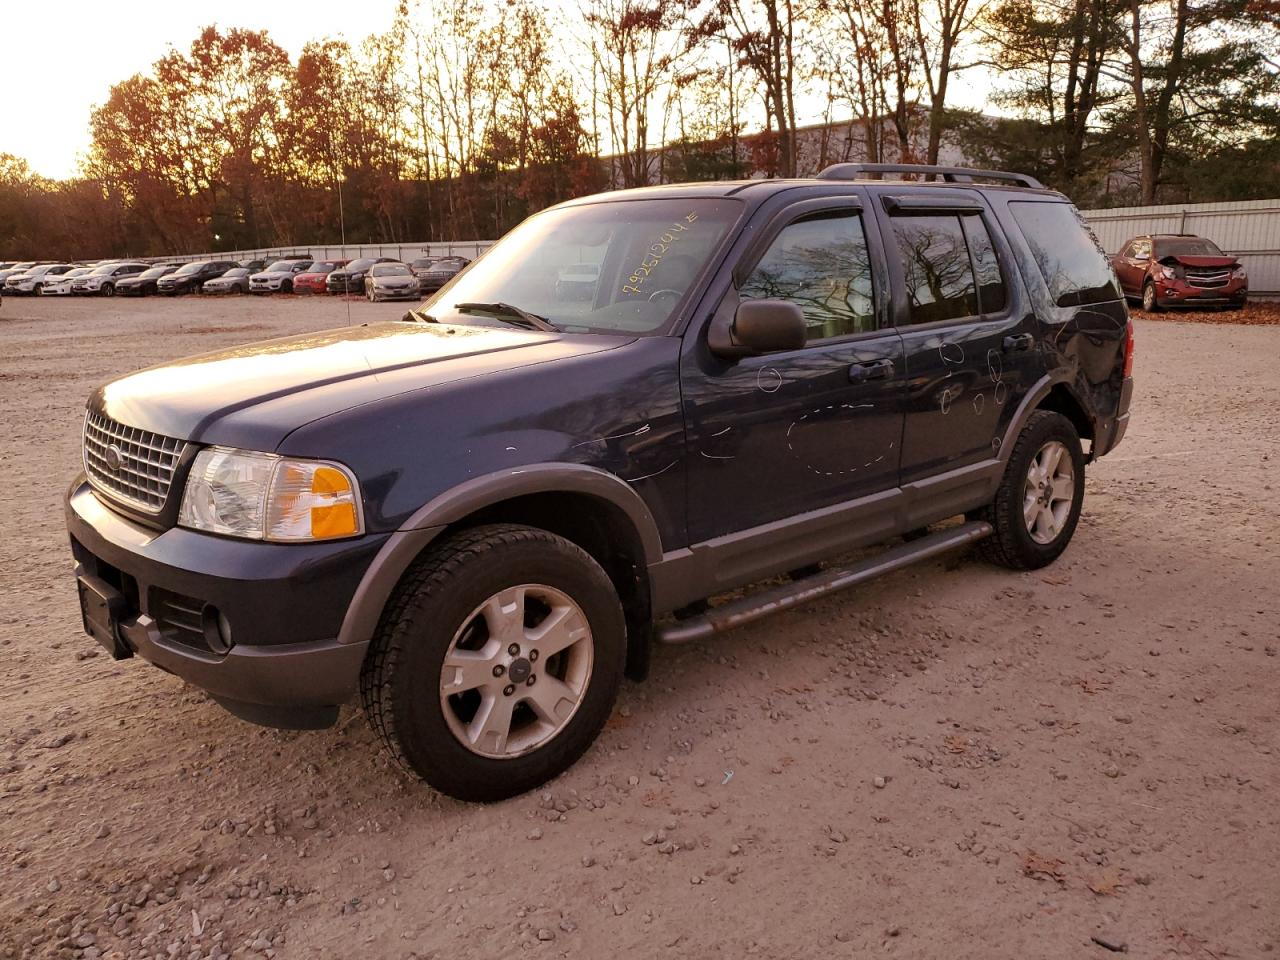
[(1018, 343), (881, 369)]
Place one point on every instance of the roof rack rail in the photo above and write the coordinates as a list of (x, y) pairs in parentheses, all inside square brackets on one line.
[(856, 171)]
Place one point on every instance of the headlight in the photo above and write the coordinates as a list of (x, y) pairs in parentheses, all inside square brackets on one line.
[(1168, 273), (261, 496), (1238, 273)]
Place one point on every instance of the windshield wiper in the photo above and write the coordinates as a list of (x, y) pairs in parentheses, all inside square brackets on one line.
[(512, 314)]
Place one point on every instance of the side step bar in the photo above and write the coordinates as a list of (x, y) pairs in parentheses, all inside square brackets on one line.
[(735, 613)]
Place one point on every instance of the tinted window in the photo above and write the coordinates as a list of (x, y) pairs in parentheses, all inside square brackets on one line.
[(986, 265), (1142, 249), (390, 270), (821, 265), (1070, 258), (355, 266), (936, 268)]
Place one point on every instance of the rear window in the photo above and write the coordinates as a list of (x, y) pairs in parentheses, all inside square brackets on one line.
[(1071, 260)]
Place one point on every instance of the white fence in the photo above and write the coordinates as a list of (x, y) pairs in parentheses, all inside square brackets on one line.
[(351, 251), (1247, 229)]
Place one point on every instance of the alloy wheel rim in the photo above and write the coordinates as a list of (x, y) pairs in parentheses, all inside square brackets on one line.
[(1148, 297), (1049, 492), (516, 671)]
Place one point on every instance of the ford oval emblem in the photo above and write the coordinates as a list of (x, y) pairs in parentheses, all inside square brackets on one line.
[(114, 458)]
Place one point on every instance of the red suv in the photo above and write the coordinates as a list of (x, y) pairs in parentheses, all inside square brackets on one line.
[(1180, 270)]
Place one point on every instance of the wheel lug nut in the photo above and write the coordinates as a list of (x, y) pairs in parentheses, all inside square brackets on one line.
[(508, 690), (514, 650), (529, 682), (533, 656), (499, 670)]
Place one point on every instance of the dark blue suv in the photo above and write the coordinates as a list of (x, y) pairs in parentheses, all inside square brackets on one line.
[(480, 517)]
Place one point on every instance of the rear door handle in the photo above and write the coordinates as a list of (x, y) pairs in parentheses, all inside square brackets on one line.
[(881, 369), (1018, 343)]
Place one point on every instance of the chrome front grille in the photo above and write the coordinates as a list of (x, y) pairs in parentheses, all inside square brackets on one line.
[(1208, 277), (132, 466)]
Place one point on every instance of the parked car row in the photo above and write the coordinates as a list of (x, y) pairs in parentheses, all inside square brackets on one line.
[(377, 278)]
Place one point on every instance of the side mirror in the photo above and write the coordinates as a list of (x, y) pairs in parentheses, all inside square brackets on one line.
[(761, 326)]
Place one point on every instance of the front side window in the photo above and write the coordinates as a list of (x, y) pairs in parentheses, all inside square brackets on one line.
[(1072, 262), (1141, 250), (821, 264), (936, 267), (649, 254)]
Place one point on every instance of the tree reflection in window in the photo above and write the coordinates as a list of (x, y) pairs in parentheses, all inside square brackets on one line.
[(820, 263), (938, 271)]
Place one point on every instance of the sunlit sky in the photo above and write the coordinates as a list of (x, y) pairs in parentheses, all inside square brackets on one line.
[(60, 59)]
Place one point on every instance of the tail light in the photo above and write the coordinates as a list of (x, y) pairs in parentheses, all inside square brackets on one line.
[(1128, 349)]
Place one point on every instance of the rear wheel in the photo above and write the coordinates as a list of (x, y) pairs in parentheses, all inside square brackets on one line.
[(369, 294), (1149, 301), (1037, 506), (496, 663)]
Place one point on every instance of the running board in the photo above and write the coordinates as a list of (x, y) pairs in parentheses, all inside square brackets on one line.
[(735, 613)]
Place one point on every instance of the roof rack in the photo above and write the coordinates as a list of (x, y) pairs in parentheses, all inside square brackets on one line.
[(857, 171)]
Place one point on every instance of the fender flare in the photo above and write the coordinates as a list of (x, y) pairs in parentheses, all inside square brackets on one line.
[(403, 546), (1030, 401)]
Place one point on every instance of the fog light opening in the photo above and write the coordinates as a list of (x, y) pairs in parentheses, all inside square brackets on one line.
[(217, 629)]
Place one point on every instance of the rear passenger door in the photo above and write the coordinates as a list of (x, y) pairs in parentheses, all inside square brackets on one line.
[(966, 326)]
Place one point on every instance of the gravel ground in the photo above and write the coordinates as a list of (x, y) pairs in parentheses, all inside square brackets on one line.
[(955, 761)]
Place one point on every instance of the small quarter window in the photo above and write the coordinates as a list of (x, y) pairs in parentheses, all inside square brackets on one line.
[(986, 265), (936, 267), (821, 264)]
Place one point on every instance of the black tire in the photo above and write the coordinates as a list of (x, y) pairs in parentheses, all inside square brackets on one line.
[(108, 290), (400, 682), (286, 286), (1150, 302), (1012, 545)]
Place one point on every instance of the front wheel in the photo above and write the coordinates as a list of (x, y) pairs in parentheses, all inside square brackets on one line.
[(1037, 505), (108, 290), (496, 663), (1149, 301)]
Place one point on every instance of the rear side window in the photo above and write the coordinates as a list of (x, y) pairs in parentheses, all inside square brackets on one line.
[(936, 266), (1071, 260), (820, 263)]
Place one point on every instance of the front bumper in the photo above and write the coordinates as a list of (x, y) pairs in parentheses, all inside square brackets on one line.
[(1179, 293), (284, 604)]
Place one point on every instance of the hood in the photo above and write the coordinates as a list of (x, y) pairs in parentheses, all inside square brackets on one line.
[(1189, 261), (255, 395)]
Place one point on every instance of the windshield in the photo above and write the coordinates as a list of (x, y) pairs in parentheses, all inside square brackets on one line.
[(1187, 247), (77, 272), (153, 272), (422, 263), (390, 270), (322, 266), (356, 266), (643, 256), (103, 270), (237, 272), (283, 266), (191, 268)]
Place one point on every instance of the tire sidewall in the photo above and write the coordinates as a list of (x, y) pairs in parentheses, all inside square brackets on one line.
[(1155, 302), (429, 623), (1057, 427)]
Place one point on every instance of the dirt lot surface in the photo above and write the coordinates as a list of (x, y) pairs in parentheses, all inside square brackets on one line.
[(955, 761)]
